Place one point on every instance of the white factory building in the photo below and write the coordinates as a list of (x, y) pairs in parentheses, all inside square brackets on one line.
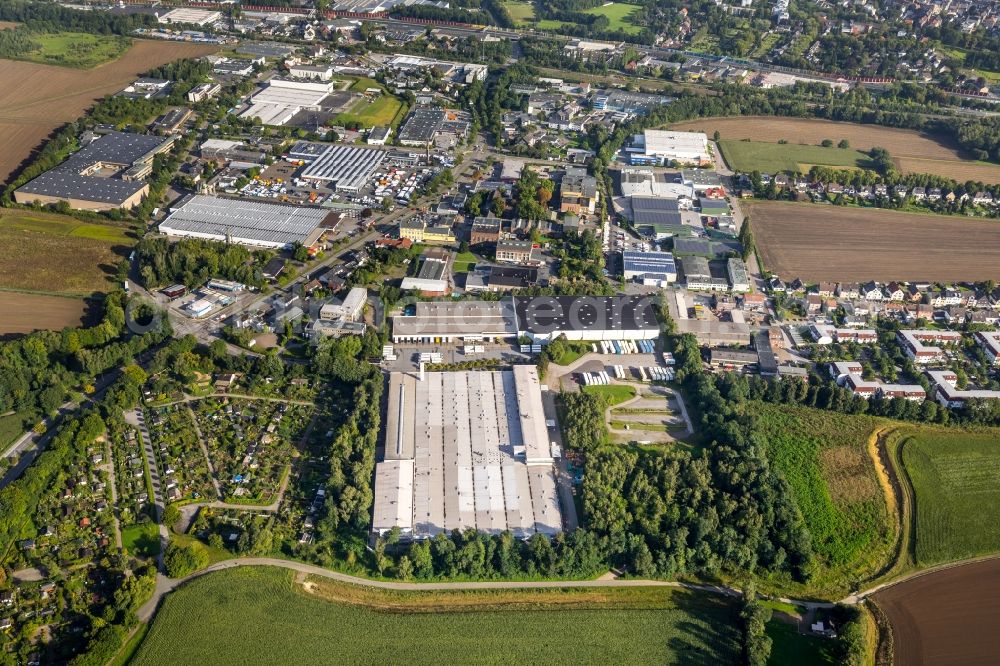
[(245, 222), (278, 103), (541, 318), (466, 450), (669, 147)]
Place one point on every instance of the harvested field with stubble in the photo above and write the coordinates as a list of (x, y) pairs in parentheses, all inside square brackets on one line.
[(37, 99), (913, 152), (947, 617), (821, 242)]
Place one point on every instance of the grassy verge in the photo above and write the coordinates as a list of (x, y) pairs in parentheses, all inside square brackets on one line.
[(262, 615), (127, 651), (791, 647), (613, 394)]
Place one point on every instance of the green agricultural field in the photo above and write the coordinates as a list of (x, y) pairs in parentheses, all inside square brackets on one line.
[(57, 253), (382, 111), (261, 616), (613, 394), (824, 457), (618, 14), (76, 49), (955, 476), (520, 12), (776, 157)]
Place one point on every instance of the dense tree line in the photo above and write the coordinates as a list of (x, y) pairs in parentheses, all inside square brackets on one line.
[(346, 514), (37, 370), (53, 17), (433, 13), (191, 261)]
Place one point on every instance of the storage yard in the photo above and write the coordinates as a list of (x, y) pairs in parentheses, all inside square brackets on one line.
[(851, 244), (463, 450)]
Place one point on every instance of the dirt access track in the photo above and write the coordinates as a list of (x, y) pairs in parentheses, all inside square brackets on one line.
[(946, 617), (37, 99), (822, 242), (913, 152)]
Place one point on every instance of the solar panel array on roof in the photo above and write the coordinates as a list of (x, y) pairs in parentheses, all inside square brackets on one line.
[(649, 203), (348, 167), (649, 262)]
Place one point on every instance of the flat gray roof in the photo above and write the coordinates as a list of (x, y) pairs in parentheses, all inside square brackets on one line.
[(121, 149), (248, 222), (348, 167)]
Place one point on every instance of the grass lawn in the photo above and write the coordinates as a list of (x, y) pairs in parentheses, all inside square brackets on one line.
[(824, 458), (613, 394), (617, 13), (57, 253), (364, 83), (464, 261), (261, 616), (520, 12), (791, 647), (370, 114), (141, 540), (10, 429), (572, 351), (549, 24), (776, 157), (76, 49), (955, 476)]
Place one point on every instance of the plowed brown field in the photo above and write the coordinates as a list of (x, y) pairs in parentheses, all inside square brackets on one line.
[(948, 617), (37, 99), (816, 242), (24, 313), (913, 152)]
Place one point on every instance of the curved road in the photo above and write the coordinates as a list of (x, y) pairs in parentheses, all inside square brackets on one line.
[(166, 585)]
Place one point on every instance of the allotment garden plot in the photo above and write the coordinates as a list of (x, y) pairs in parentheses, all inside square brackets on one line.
[(184, 473), (251, 444)]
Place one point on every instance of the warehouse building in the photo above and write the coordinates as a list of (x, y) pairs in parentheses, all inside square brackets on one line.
[(245, 222), (662, 218), (545, 318), (190, 16), (108, 173), (651, 268), (669, 147), (442, 322), (278, 103), (344, 168), (466, 450), (421, 126)]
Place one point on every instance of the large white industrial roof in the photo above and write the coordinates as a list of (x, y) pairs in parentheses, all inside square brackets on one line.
[(249, 222), (349, 167), (479, 448)]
